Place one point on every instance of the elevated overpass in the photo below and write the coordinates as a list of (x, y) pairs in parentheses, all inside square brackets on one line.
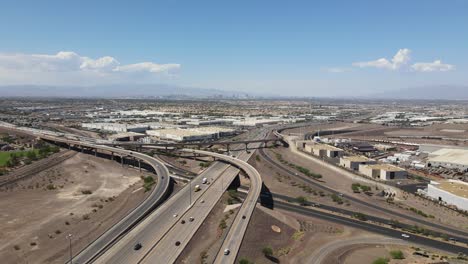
[(157, 196), (182, 145)]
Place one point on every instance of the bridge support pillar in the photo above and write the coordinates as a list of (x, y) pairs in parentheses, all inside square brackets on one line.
[(246, 147), (228, 148), (139, 165), (122, 160), (82, 149), (112, 155), (95, 152)]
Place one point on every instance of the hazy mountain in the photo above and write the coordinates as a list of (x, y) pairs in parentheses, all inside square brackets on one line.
[(436, 92), (116, 91)]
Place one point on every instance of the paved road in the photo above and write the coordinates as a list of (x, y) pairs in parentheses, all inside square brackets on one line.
[(157, 195), (317, 184), (280, 197), (159, 232), (322, 253), (437, 244)]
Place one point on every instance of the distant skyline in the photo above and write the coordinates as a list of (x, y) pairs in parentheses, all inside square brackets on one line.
[(300, 48)]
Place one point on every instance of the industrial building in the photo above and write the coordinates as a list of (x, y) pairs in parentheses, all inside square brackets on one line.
[(191, 134), (323, 150), (362, 147), (449, 158), (383, 171), (127, 136), (451, 192), (353, 162), (210, 122), (116, 127)]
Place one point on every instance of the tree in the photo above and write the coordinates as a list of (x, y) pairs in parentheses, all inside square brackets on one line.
[(31, 155)]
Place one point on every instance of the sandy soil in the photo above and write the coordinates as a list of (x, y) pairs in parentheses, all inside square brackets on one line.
[(337, 182), (299, 236), (35, 220), (191, 165), (362, 253), (205, 244)]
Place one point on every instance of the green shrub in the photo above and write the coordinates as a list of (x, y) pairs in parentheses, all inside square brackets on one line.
[(381, 261), (397, 254)]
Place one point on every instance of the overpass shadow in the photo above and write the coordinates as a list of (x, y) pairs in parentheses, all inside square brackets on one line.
[(266, 198)]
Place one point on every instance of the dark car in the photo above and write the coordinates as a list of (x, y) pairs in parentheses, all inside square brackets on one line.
[(137, 246)]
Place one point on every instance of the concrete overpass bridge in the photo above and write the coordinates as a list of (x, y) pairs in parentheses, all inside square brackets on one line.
[(167, 146)]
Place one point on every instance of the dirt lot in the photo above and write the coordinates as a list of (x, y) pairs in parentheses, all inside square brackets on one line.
[(378, 132), (326, 126), (288, 186), (82, 196)]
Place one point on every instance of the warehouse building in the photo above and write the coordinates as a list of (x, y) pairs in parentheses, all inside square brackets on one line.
[(449, 158), (191, 134), (353, 162), (323, 150), (383, 171), (127, 136), (116, 127), (451, 192)]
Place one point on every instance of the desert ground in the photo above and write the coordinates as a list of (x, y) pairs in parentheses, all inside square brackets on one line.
[(82, 196)]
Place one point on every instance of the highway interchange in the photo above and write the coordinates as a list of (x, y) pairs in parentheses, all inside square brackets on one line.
[(165, 228)]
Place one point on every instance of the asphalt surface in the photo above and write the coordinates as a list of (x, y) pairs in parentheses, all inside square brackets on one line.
[(163, 228), (373, 228), (118, 230), (289, 199), (236, 233), (355, 200), (167, 252)]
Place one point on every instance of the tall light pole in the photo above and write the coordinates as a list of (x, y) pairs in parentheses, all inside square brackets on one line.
[(69, 237), (190, 192)]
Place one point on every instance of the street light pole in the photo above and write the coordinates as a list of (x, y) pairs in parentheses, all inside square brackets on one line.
[(190, 192), (70, 240)]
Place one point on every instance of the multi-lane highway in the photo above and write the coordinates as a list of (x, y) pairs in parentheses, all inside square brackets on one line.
[(113, 234), (288, 170), (164, 234)]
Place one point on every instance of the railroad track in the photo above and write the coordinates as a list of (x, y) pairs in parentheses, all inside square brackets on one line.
[(40, 165)]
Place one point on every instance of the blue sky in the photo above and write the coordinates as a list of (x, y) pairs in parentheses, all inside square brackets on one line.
[(324, 48)]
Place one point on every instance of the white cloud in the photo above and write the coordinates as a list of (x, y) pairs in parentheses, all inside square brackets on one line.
[(68, 61), (437, 65), (103, 63), (147, 67), (401, 58)]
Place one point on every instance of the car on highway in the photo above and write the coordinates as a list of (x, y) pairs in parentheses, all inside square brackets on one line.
[(191, 219), (137, 246), (227, 251), (175, 215), (204, 180), (405, 235)]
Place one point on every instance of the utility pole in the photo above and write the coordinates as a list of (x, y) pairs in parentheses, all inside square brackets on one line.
[(69, 237)]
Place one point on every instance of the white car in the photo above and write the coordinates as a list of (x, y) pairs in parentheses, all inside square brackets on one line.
[(175, 215), (405, 235), (227, 251)]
